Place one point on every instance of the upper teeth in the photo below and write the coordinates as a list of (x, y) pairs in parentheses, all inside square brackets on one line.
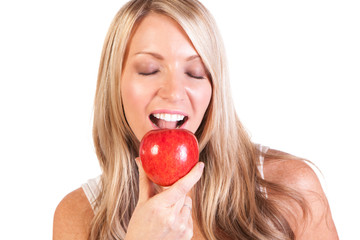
[(169, 117)]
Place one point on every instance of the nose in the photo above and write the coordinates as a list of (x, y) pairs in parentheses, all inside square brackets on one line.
[(173, 88)]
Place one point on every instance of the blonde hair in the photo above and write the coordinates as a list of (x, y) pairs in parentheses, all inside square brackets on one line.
[(232, 203)]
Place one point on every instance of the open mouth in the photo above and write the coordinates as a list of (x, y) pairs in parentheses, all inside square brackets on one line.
[(166, 120)]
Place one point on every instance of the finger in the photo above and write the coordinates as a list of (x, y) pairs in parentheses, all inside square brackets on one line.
[(178, 205), (186, 209), (146, 189), (179, 189), (190, 222), (189, 234), (191, 227)]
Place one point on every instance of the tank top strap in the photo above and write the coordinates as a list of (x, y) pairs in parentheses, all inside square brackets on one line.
[(92, 190), (263, 150)]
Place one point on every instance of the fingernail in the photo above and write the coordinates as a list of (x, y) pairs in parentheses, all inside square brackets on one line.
[(201, 166), (138, 161)]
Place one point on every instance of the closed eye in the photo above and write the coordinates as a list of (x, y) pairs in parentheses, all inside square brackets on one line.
[(148, 73), (193, 76)]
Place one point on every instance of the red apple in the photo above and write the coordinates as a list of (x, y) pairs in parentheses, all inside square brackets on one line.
[(168, 154)]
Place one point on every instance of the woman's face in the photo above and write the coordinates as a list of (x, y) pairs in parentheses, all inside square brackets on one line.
[(164, 82)]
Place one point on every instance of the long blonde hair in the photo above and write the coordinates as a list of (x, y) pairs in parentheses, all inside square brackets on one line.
[(233, 206)]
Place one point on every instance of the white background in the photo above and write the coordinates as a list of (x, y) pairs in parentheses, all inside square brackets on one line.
[(295, 68)]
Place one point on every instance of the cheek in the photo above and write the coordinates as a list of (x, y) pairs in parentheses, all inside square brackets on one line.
[(133, 104), (128, 93), (204, 97), (133, 96), (134, 92), (201, 99)]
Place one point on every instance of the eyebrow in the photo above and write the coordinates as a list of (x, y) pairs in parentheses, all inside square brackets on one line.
[(160, 57), (192, 57), (155, 55)]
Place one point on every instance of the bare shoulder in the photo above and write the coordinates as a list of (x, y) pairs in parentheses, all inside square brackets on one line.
[(72, 217), (291, 171), (296, 174)]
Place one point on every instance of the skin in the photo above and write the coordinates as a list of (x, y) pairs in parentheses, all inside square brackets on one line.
[(175, 77), (164, 215), (298, 175)]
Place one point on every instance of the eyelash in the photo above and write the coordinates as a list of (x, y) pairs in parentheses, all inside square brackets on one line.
[(150, 73), (156, 71), (192, 76)]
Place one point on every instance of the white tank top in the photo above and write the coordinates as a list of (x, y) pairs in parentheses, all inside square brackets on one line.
[(93, 186), (92, 190)]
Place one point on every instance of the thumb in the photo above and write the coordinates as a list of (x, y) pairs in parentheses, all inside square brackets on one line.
[(146, 187)]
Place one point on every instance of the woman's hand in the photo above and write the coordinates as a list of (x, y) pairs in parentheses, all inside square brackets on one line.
[(166, 215)]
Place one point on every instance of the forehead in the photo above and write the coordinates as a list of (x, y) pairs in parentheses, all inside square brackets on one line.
[(159, 32)]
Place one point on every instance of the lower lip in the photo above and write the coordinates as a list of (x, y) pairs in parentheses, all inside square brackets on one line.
[(153, 125)]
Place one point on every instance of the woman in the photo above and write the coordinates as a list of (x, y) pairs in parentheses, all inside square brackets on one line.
[(162, 59)]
